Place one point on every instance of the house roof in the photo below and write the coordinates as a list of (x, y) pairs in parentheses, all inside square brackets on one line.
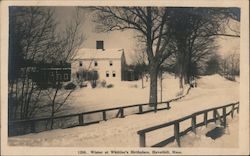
[(98, 54)]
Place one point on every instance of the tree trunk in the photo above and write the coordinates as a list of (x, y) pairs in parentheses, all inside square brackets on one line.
[(189, 68), (11, 101), (52, 118), (53, 104), (16, 104), (153, 85), (186, 78), (142, 83), (30, 95), (181, 82), (161, 85), (22, 93), (180, 70)]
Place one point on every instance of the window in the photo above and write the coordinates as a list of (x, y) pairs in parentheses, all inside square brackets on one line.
[(66, 76), (52, 74), (52, 77), (58, 76), (80, 63), (99, 45), (107, 73), (96, 64), (113, 73), (110, 63)]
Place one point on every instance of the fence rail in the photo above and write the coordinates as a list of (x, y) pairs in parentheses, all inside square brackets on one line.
[(20, 127), (176, 123)]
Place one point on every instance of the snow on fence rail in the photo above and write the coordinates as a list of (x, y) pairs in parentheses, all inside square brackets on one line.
[(21, 127), (176, 123)]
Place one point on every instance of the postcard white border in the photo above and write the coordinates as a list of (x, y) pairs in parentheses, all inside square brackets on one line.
[(244, 71)]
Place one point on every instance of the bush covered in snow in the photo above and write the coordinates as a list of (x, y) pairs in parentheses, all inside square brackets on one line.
[(83, 85), (70, 86), (110, 86), (103, 83)]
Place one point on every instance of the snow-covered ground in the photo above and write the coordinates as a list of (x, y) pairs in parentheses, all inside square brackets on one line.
[(228, 139), (212, 91), (122, 94)]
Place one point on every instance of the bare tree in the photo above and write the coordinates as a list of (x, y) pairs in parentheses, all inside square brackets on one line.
[(226, 16), (150, 23), (194, 31), (213, 65), (65, 47), (230, 65), (31, 32), (34, 41), (140, 63), (156, 27)]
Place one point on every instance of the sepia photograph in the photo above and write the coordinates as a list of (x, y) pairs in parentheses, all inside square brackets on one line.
[(125, 79)]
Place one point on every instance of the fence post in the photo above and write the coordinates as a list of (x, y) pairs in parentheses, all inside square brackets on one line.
[(104, 116), (168, 107), (155, 107), (81, 120), (176, 133), (224, 117), (122, 112), (32, 127), (140, 109), (142, 140), (205, 118), (214, 115), (232, 112), (194, 123)]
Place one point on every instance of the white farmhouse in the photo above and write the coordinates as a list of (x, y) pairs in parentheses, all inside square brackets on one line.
[(109, 64)]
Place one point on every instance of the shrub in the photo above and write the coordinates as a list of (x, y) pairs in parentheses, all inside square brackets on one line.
[(110, 86), (55, 85), (103, 83), (93, 84), (83, 85), (230, 77), (70, 86)]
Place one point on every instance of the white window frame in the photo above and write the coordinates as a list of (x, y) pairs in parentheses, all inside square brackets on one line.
[(110, 63), (51, 73), (65, 76), (95, 63), (113, 74), (107, 74), (59, 77), (80, 63)]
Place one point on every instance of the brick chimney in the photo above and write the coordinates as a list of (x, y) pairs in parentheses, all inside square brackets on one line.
[(100, 44)]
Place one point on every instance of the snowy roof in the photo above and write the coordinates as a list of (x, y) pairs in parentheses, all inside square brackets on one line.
[(98, 54)]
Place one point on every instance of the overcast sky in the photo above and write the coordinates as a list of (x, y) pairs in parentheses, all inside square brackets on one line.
[(126, 39), (113, 40)]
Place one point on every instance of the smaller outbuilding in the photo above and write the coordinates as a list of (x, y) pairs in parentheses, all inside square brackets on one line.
[(49, 75)]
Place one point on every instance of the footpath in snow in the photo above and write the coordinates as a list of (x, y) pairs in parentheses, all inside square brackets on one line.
[(212, 91)]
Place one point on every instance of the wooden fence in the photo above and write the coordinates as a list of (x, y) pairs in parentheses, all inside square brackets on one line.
[(176, 123), (20, 127)]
